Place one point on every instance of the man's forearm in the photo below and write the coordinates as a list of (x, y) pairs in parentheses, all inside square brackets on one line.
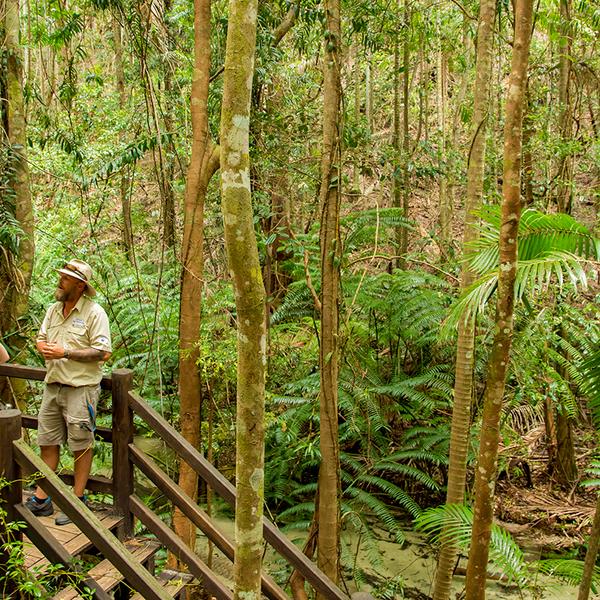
[(86, 355)]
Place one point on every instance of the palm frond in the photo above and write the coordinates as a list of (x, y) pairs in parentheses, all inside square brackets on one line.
[(539, 234), (530, 274), (567, 569)]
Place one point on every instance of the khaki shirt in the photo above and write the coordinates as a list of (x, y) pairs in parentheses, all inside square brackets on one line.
[(85, 327)]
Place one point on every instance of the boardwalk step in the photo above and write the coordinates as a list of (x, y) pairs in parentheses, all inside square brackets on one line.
[(69, 536), (174, 583), (106, 575)]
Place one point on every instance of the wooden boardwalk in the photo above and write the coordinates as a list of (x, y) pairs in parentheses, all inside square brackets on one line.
[(69, 536)]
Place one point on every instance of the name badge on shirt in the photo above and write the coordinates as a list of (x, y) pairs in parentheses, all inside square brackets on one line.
[(78, 323)]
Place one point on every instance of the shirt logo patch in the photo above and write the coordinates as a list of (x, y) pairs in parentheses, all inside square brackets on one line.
[(103, 340), (77, 322)]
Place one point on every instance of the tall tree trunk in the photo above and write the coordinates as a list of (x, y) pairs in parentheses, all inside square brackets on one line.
[(203, 164), (328, 507), (564, 470), (465, 352), (590, 556), (16, 269), (528, 131), (357, 81), (127, 237), (445, 199), (369, 94), (405, 138), (564, 188), (168, 194), (485, 474), (244, 266), (396, 139)]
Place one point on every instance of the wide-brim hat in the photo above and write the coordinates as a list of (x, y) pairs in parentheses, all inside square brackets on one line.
[(80, 270)]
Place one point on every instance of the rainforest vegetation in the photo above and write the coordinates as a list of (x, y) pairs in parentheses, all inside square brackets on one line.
[(349, 249)]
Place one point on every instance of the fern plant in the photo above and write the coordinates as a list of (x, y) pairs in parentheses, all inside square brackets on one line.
[(452, 523)]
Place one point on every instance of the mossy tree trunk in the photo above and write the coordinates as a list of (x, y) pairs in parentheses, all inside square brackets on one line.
[(245, 271), (328, 507), (465, 352), (485, 474), (203, 164), (15, 266)]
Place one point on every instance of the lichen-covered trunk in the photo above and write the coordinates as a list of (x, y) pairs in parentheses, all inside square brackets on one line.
[(463, 380), (245, 271), (328, 507), (16, 268), (203, 163), (485, 473)]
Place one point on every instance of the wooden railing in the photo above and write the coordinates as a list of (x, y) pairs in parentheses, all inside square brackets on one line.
[(16, 458)]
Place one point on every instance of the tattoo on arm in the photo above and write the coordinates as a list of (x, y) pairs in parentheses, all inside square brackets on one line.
[(87, 355)]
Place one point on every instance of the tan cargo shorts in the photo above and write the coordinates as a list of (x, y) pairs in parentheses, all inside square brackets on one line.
[(68, 414)]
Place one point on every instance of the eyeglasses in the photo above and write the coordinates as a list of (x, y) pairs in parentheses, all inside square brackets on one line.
[(68, 267)]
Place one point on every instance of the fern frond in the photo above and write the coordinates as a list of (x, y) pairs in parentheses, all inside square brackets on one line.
[(397, 494), (452, 523)]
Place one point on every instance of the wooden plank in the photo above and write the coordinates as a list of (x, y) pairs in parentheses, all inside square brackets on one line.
[(173, 543), (107, 575), (309, 570), (122, 423), (10, 494), (22, 372), (96, 483), (191, 510), (69, 535), (89, 524), (54, 550), (184, 449), (38, 374)]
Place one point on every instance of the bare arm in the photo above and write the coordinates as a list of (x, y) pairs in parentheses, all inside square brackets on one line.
[(3, 354), (52, 351)]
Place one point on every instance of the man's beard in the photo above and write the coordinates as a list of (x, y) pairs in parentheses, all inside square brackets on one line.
[(60, 295)]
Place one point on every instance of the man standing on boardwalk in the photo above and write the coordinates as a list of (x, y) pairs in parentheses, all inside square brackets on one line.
[(74, 339)]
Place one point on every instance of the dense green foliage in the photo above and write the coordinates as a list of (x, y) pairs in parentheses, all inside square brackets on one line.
[(86, 144)]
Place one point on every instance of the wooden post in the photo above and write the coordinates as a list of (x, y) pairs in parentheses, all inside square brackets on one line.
[(11, 492), (122, 423)]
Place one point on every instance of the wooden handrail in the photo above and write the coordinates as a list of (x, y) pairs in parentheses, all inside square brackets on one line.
[(89, 524), (174, 543), (196, 515), (38, 374), (320, 582)]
